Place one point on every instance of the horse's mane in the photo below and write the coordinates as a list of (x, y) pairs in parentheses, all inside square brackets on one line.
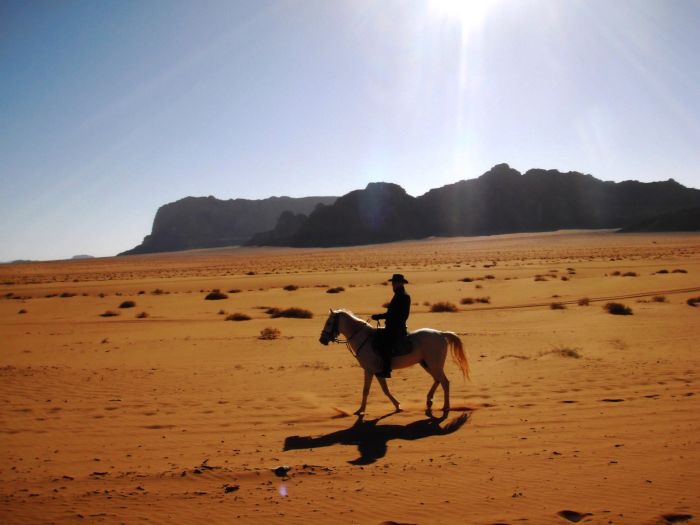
[(351, 316)]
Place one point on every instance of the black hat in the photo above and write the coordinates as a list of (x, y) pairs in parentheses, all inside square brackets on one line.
[(398, 277)]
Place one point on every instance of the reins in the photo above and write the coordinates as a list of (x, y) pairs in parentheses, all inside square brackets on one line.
[(347, 341)]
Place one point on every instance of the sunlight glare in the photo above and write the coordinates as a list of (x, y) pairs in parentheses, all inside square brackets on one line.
[(469, 14)]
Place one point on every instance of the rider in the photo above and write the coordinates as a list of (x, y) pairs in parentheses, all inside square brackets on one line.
[(395, 316)]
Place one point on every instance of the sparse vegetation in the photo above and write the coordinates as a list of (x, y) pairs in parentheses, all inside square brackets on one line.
[(629, 274), (127, 304), (693, 301), (662, 271), (584, 301), (22, 311), (443, 306), (659, 299), (293, 312), (467, 300), (216, 295), (142, 315), (291, 287), (157, 291), (467, 280), (67, 294), (269, 334), (680, 270), (563, 351), (238, 317), (617, 309), (109, 313), (234, 290), (335, 289), (540, 278), (557, 306)]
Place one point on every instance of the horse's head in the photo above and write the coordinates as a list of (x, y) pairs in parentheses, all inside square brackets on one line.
[(330, 329)]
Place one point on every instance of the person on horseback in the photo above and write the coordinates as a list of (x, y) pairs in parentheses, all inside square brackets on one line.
[(395, 322)]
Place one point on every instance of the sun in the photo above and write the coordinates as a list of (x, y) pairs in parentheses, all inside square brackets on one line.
[(470, 14)]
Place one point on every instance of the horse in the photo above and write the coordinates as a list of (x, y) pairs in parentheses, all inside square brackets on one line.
[(428, 347)]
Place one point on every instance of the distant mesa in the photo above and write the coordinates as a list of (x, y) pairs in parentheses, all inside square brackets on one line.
[(678, 221), (79, 257), (207, 222), (500, 201)]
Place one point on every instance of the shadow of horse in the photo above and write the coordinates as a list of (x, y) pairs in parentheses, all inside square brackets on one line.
[(372, 439)]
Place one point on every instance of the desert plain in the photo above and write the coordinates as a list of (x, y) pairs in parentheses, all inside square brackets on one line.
[(128, 397)]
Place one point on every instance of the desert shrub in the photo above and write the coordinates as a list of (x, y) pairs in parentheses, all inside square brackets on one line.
[(215, 295), (250, 273), (127, 304), (467, 300), (294, 312), (478, 287), (629, 274), (584, 301), (443, 306), (564, 278), (540, 278), (467, 280), (238, 317), (157, 291), (234, 290), (273, 311), (142, 315), (67, 294), (291, 287), (617, 309), (22, 311), (693, 301), (109, 313), (489, 276), (659, 299), (663, 271), (269, 333), (335, 289), (680, 270), (616, 273), (557, 306), (563, 351), (142, 292), (483, 300)]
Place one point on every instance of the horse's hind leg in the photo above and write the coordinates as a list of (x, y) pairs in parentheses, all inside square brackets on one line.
[(431, 393), (385, 389)]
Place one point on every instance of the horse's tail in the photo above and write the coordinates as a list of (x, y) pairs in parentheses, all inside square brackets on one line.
[(455, 344)]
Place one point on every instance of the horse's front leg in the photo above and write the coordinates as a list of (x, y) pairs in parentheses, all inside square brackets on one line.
[(365, 392), (385, 389)]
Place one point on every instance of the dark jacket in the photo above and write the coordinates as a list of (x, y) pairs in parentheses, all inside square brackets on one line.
[(397, 314)]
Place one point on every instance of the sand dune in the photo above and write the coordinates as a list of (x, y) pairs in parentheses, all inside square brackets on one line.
[(572, 415)]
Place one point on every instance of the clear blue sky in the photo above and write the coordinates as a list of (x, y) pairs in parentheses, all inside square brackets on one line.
[(109, 109)]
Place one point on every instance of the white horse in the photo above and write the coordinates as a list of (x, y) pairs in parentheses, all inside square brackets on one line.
[(429, 348)]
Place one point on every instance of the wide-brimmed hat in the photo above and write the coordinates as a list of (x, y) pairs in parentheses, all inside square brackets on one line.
[(398, 277)]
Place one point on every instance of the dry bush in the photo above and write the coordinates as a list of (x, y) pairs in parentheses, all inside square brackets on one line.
[(127, 304), (291, 287), (443, 306), (294, 312), (629, 274), (22, 311), (584, 301), (336, 289), (617, 309), (215, 295), (540, 278), (158, 291), (222, 312), (659, 299), (67, 294), (238, 317), (564, 278), (616, 273), (663, 271), (557, 306), (693, 301), (489, 276), (142, 292), (234, 290), (467, 300), (273, 311), (680, 270), (467, 280), (563, 351), (109, 313), (269, 333), (483, 300), (142, 315)]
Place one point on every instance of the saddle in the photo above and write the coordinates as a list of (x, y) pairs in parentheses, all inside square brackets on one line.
[(401, 347)]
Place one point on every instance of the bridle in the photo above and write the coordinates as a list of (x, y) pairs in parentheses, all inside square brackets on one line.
[(334, 332)]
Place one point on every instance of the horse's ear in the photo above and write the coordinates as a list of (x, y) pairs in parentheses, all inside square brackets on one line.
[(331, 310)]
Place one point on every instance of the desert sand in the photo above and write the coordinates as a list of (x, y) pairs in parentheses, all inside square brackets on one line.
[(169, 413)]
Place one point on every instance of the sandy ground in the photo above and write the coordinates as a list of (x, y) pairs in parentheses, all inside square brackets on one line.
[(572, 414)]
